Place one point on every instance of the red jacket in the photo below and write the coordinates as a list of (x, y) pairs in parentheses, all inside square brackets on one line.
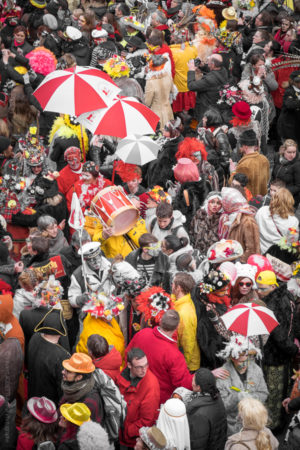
[(165, 360), (142, 405), (67, 178), (110, 364), (25, 442)]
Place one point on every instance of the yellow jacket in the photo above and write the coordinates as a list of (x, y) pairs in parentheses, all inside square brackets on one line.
[(187, 331), (111, 331), (116, 245), (181, 58)]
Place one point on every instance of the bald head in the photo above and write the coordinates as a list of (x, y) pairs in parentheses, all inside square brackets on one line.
[(215, 62)]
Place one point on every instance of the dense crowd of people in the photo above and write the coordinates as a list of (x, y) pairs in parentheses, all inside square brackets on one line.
[(115, 302)]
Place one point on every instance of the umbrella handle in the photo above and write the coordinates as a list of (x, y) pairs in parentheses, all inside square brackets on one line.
[(82, 144)]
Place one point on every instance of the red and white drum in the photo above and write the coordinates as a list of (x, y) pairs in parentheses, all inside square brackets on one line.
[(115, 209)]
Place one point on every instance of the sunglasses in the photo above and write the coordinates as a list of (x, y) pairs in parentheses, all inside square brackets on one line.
[(248, 284)]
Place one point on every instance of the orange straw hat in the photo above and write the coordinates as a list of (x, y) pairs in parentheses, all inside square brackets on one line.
[(79, 363)]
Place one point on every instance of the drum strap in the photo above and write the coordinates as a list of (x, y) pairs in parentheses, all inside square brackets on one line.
[(130, 242)]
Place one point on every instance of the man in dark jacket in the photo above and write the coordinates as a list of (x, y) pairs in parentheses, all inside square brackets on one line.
[(78, 385), (280, 347), (150, 262), (141, 391), (206, 413), (209, 85), (288, 122)]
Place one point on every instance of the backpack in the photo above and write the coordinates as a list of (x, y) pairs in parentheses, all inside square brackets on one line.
[(115, 407), (173, 230)]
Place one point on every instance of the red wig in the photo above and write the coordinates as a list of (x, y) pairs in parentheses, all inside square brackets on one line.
[(153, 303), (128, 172), (188, 147)]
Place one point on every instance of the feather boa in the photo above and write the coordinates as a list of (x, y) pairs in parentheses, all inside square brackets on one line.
[(63, 128)]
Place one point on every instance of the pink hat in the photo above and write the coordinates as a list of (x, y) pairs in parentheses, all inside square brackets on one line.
[(229, 269), (186, 170), (42, 409)]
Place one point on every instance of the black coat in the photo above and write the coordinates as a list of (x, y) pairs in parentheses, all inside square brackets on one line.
[(280, 347), (289, 119), (289, 172), (207, 89), (208, 424), (161, 275), (44, 364)]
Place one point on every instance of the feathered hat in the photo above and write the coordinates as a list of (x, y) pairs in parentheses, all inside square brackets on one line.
[(188, 147), (237, 345), (153, 303), (127, 172), (42, 60)]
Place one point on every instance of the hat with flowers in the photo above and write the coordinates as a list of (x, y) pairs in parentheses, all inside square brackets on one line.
[(213, 281), (153, 303), (103, 306), (116, 67)]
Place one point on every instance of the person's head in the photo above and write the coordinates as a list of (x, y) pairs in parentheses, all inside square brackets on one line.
[(286, 24), (254, 416), (204, 381), (91, 252), (149, 244), (164, 214), (183, 284), (172, 128), (266, 283), (66, 61), (73, 156), (134, 183), (75, 414), (97, 346), (37, 244), (90, 172), (289, 149), (77, 368), (48, 226), (122, 10), (4, 130), (257, 60), (260, 36), (248, 142), (213, 203), (86, 21), (170, 321), (212, 118), (80, 236), (282, 203), (239, 179), (290, 35), (215, 62), (6, 149), (172, 244), (185, 262), (28, 280), (41, 422), (272, 48), (137, 362), (19, 34), (275, 185), (264, 19), (155, 39), (158, 18), (150, 438)]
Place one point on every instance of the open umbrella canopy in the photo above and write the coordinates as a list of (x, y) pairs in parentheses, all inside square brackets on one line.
[(124, 116), (137, 149), (250, 319), (76, 90)]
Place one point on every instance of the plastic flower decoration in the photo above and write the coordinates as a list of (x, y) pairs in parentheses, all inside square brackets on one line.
[(230, 95), (246, 4), (103, 306), (49, 292), (116, 67)]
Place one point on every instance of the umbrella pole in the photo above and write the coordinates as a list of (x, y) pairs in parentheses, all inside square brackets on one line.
[(82, 144), (82, 262), (114, 172)]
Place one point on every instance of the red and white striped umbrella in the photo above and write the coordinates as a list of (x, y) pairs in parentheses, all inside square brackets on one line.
[(250, 319), (125, 116), (76, 90)]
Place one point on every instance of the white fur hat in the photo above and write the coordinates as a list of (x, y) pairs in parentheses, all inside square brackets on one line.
[(237, 345), (245, 271), (73, 33)]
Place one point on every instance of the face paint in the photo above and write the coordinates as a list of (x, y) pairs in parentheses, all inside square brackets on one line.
[(154, 249), (94, 263), (241, 366)]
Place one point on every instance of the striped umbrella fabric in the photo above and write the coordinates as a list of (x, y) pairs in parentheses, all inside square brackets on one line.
[(124, 116), (250, 319), (76, 90), (137, 149)]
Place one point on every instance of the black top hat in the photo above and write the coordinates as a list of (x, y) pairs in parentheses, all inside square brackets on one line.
[(135, 41)]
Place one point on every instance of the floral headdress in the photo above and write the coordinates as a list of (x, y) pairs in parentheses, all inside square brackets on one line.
[(290, 242), (158, 195), (246, 4), (103, 306), (48, 293), (230, 95), (237, 345), (224, 250), (116, 67), (225, 37), (153, 303), (213, 281), (133, 23)]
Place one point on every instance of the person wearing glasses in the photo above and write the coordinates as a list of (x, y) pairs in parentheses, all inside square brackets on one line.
[(141, 391), (244, 288), (282, 344)]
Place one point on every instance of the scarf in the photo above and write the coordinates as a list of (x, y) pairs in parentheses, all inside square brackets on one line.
[(73, 392), (213, 298)]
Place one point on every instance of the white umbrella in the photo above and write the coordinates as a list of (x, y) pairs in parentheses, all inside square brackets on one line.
[(137, 149)]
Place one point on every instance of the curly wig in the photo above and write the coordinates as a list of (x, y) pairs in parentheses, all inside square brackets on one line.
[(188, 147), (128, 172)]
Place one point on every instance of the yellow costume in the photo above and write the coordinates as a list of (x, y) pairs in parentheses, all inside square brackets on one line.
[(181, 58), (110, 330), (187, 331)]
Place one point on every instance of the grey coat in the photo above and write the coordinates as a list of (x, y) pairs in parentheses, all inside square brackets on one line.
[(255, 386)]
